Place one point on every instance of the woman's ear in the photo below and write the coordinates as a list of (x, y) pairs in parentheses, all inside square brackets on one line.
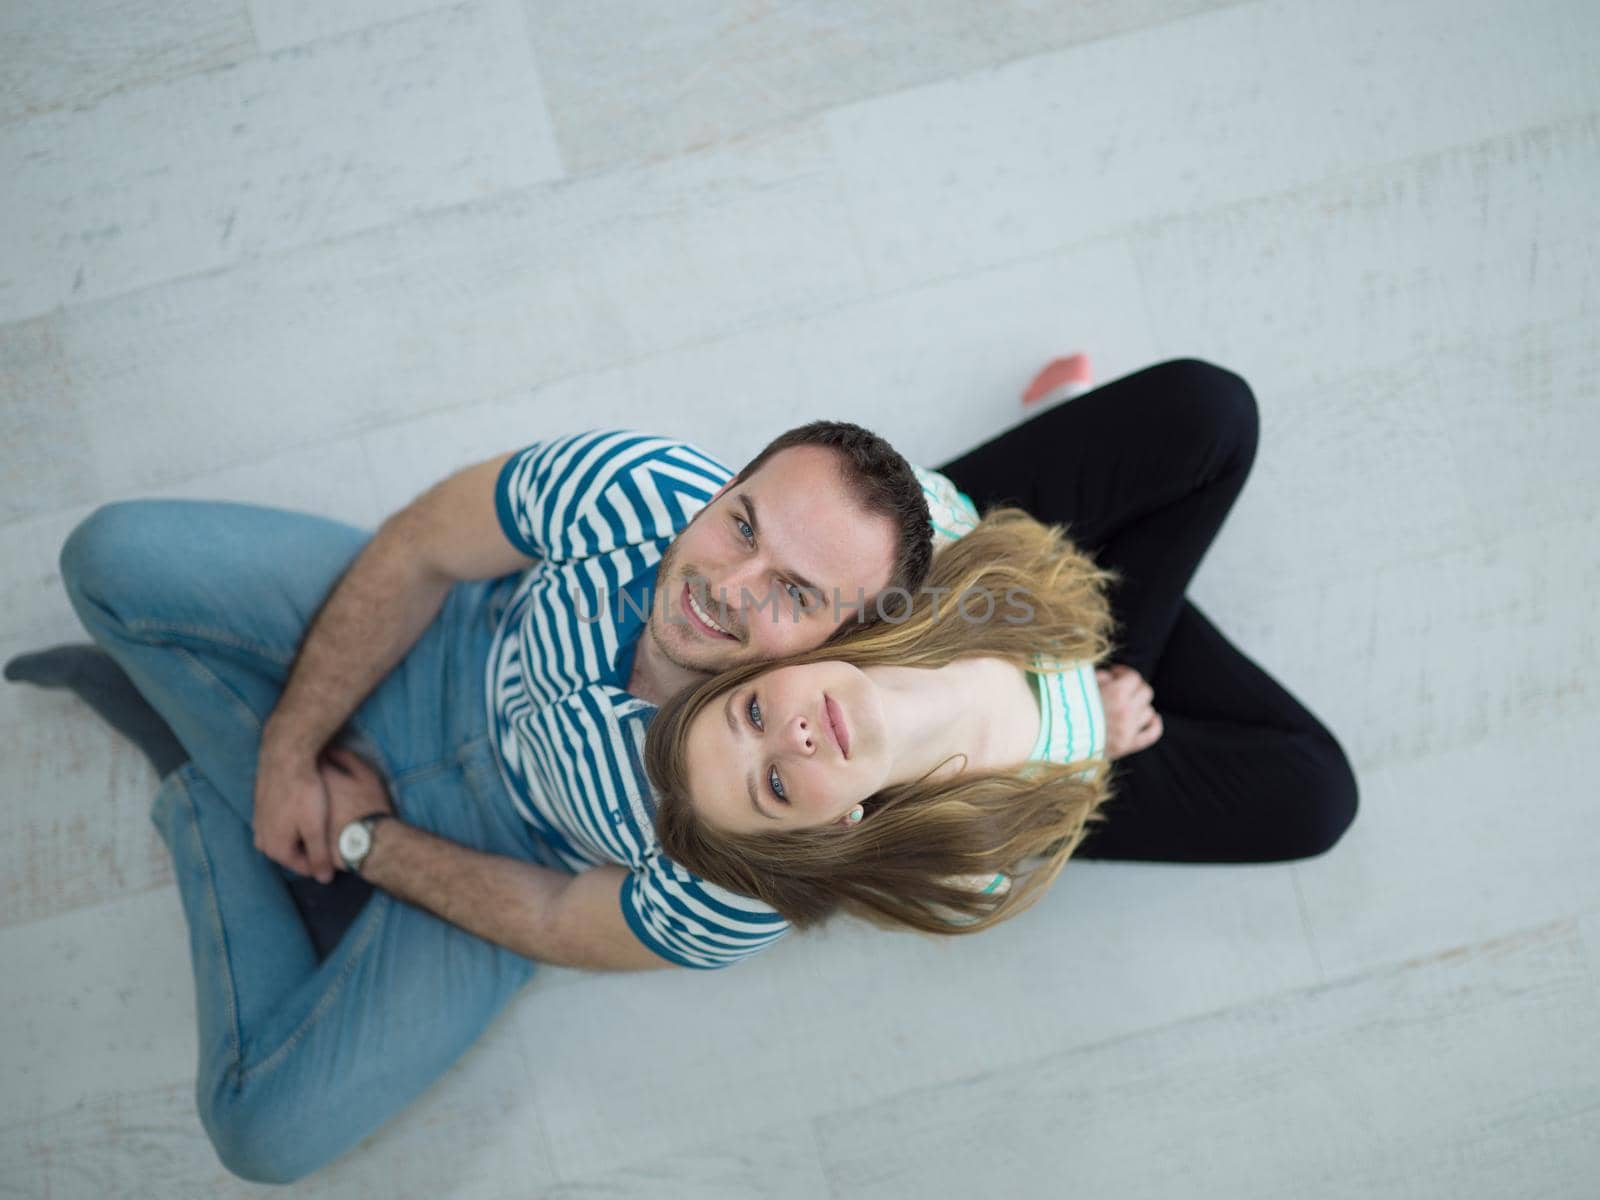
[(853, 818)]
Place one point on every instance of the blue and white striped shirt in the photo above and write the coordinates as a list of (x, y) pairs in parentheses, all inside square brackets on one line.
[(598, 510)]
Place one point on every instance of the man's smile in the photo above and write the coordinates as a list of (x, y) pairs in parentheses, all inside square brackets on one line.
[(701, 617)]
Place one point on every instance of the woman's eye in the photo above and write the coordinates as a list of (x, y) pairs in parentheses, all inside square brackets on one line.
[(795, 594), (776, 784), (754, 711)]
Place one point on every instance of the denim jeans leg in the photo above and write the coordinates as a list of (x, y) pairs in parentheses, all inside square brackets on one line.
[(295, 1072), (246, 941), (204, 605)]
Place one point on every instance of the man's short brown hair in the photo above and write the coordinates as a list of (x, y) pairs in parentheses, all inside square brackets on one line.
[(882, 482)]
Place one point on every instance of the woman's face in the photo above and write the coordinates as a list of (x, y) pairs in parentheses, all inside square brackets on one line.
[(794, 748)]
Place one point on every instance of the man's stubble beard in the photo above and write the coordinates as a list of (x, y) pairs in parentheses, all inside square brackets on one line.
[(659, 614)]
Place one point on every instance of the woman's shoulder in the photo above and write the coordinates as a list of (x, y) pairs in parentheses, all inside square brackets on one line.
[(1072, 722), (1048, 664)]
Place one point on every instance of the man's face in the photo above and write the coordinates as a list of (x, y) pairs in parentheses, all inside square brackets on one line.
[(753, 576)]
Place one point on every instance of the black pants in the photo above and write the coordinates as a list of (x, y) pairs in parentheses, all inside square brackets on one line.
[(1142, 472)]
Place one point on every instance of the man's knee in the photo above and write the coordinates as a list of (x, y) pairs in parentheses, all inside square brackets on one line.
[(136, 559), (250, 1135), (108, 548), (94, 558)]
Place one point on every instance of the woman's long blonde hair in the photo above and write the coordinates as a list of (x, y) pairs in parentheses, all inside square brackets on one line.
[(909, 861)]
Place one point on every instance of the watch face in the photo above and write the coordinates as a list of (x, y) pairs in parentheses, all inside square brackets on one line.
[(354, 842)]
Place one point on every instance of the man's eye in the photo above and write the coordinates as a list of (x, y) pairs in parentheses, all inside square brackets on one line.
[(754, 711), (744, 529), (804, 599), (776, 784)]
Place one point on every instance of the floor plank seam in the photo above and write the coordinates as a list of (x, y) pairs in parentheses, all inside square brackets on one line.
[(1440, 957), (1367, 171), (1305, 923)]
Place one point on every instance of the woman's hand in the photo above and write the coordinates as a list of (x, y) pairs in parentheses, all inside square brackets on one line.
[(1131, 723), (355, 790)]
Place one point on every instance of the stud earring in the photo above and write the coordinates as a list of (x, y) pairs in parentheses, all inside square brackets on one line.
[(855, 814)]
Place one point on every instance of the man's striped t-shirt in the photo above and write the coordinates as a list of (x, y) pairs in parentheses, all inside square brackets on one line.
[(597, 511)]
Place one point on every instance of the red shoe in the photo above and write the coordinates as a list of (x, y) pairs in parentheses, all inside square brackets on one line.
[(1060, 380)]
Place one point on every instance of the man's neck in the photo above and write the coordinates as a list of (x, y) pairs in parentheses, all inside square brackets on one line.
[(655, 677)]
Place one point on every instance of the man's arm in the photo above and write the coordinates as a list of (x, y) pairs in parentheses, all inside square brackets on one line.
[(537, 912), (534, 911), (389, 595)]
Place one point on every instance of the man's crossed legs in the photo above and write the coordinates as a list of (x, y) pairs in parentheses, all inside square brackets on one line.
[(204, 606)]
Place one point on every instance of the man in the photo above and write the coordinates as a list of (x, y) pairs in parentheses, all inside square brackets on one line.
[(494, 653)]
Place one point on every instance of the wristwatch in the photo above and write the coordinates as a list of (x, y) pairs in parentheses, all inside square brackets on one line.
[(355, 840)]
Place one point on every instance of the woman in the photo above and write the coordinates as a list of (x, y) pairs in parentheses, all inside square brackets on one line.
[(924, 826), (909, 770)]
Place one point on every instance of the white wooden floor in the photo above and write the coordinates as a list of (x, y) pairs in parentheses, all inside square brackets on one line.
[(318, 254)]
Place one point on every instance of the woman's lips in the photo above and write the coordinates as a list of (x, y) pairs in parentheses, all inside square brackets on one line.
[(836, 725)]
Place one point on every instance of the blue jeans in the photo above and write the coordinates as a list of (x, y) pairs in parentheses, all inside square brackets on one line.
[(204, 605)]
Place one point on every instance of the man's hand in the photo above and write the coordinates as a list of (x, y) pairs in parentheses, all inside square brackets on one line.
[(291, 812), (1131, 723), (355, 790), (376, 612)]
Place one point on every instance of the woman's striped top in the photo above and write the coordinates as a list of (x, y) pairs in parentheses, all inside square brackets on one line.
[(1072, 724)]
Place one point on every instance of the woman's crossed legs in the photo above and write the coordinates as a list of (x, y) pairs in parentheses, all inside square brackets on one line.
[(1143, 471)]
